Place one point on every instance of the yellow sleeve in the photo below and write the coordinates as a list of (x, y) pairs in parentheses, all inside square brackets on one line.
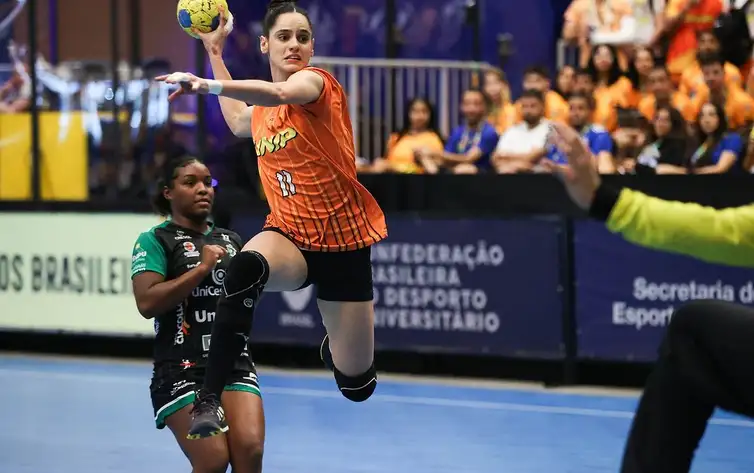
[(716, 236)]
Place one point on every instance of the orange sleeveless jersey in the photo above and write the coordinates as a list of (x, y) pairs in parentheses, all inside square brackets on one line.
[(307, 165)]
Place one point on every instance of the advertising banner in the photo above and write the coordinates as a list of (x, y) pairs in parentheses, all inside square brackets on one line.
[(626, 294), (69, 272), (463, 286)]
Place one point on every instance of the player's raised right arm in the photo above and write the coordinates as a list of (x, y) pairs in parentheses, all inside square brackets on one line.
[(237, 114)]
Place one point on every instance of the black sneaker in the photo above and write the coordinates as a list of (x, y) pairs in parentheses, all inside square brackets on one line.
[(208, 417), (325, 354)]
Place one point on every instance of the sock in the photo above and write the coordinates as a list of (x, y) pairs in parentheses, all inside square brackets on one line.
[(242, 288)]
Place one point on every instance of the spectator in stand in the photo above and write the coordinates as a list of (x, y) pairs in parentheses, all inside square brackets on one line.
[(737, 104), (470, 145), (537, 78), (419, 132), (630, 138), (604, 110), (565, 82), (590, 23), (522, 146), (718, 148), (663, 95), (502, 111), (597, 138), (638, 73), (692, 79), (667, 152), (609, 82), (678, 27)]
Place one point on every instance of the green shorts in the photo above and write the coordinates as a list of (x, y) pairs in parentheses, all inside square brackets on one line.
[(174, 392)]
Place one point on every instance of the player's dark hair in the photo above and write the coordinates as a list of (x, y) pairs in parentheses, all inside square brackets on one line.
[(477, 90), (708, 32), (277, 8), (710, 59), (534, 94), (583, 71), (537, 70), (431, 124), (167, 176), (614, 73), (585, 97), (716, 136), (660, 67)]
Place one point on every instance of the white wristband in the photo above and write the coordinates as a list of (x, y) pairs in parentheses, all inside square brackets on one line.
[(215, 87)]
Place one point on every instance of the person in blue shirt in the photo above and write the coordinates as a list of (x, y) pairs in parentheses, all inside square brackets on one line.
[(719, 149), (470, 145), (596, 137)]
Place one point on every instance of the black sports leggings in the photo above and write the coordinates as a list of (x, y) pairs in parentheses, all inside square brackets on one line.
[(706, 360)]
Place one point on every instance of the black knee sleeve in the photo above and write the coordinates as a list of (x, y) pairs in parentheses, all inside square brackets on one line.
[(244, 282), (357, 388), (247, 274)]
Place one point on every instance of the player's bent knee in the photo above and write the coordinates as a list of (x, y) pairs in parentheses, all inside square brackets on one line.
[(357, 388), (247, 454), (248, 271)]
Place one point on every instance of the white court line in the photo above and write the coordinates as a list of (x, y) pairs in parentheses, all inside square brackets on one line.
[(415, 400)]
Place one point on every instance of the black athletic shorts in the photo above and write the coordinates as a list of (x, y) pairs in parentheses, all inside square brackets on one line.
[(338, 276), (173, 388)]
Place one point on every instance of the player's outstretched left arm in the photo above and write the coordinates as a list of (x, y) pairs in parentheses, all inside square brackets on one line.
[(301, 88)]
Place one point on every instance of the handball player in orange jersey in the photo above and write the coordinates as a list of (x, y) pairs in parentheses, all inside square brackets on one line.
[(322, 221)]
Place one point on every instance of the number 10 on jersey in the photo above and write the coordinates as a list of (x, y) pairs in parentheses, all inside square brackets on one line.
[(287, 187)]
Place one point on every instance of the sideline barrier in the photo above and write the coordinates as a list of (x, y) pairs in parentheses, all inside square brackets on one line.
[(462, 286), (626, 294), (69, 272), (471, 286)]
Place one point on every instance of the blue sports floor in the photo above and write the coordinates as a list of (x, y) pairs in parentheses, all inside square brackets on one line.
[(91, 416)]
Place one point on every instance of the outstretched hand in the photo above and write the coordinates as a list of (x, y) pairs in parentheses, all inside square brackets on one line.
[(214, 41), (580, 176), (189, 84)]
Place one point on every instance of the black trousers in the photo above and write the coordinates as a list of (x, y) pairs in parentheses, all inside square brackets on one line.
[(706, 360)]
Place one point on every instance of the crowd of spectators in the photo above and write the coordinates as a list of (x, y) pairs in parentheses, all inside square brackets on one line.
[(662, 89), (654, 87)]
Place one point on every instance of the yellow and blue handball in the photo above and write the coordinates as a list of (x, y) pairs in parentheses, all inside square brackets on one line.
[(202, 15)]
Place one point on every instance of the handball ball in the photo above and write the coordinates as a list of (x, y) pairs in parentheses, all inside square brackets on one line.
[(200, 14)]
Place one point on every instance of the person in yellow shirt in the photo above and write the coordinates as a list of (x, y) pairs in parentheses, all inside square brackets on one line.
[(738, 105), (419, 133), (662, 93), (538, 78), (502, 112), (705, 357), (605, 113), (692, 79)]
